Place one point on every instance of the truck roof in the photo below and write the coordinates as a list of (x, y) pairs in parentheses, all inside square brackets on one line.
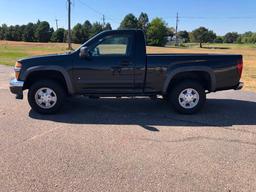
[(125, 30)]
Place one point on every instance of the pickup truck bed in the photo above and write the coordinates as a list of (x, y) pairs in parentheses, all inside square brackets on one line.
[(220, 68)]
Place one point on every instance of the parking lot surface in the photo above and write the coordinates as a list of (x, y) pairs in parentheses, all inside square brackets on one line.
[(128, 145)]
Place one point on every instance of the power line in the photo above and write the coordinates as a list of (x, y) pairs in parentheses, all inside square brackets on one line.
[(235, 17), (97, 11), (88, 6)]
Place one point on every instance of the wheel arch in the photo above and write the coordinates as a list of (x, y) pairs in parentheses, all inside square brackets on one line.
[(48, 72), (201, 74)]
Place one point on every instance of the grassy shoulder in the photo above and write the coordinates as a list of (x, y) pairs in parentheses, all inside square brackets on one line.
[(10, 52)]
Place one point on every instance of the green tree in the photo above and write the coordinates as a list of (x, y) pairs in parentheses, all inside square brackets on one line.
[(129, 22), (231, 37), (10, 34), (77, 34), (96, 28), (21, 30), (1, 33), (43, 32), (157, 32), (143, 21), (202, 35), (107, 27), (16, 33), (58, 35), (247, 37), (4, 30), (253, 38), (239, 40), (219, 39), (184, 36), (29, 33), (87, 29)]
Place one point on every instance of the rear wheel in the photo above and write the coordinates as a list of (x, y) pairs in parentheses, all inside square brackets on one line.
[(187, 97), (46, 96)]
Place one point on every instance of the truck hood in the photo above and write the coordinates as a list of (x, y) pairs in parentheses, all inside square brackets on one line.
[(54, 59)]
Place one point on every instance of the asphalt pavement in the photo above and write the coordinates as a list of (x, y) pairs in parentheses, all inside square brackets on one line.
[(128, 145)]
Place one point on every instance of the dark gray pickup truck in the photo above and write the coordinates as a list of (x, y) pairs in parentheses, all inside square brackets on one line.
[(115, 64)]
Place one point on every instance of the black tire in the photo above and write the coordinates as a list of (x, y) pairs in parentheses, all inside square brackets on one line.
[(57, 88), (175, 91)]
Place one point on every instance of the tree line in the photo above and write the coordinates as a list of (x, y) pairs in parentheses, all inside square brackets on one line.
[(42, 32), (157, 32)]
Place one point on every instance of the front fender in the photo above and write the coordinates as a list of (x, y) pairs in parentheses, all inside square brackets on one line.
[(65, 74)]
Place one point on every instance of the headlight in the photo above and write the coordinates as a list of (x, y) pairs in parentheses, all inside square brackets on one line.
[(17, 69)]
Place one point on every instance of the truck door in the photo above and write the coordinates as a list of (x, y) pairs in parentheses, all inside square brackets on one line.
[(110, 66)]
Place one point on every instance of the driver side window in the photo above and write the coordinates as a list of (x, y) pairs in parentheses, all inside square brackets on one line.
[(112, 45)]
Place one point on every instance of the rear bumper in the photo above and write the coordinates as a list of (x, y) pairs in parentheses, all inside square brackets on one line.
[(16, 87), (239, 86)]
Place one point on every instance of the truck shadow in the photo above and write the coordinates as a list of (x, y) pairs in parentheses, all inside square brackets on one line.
[(147, 113)]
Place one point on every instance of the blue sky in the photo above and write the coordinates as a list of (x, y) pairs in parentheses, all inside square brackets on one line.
[(219, 15)]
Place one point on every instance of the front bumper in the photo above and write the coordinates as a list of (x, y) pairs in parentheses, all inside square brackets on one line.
[(16, 87), (239, 86)]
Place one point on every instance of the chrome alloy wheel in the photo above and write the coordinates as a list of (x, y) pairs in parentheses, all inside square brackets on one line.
[(189, 98), (45, 98)]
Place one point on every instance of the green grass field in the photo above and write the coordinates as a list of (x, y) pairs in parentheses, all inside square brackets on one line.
[(12, 51)]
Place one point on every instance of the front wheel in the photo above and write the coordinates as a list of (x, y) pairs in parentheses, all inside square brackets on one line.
[(46, 96), (188, 97)]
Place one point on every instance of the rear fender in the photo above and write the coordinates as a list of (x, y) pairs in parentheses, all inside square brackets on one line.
[(173, 72)]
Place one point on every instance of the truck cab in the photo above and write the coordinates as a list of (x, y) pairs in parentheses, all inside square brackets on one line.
[(113, 62)]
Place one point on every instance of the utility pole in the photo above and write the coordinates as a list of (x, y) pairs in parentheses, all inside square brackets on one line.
[(103, 20), (177, 28), (57, 26), (69, 25)]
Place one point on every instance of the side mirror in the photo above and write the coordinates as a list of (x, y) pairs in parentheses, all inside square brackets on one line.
[(84, 52)]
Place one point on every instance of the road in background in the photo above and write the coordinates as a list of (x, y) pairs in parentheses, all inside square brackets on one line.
[(128, 145)]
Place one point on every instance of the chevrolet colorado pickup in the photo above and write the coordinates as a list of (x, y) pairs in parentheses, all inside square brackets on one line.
[(115, 64)]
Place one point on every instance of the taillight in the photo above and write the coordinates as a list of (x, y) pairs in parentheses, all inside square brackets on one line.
[(240, 68)]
